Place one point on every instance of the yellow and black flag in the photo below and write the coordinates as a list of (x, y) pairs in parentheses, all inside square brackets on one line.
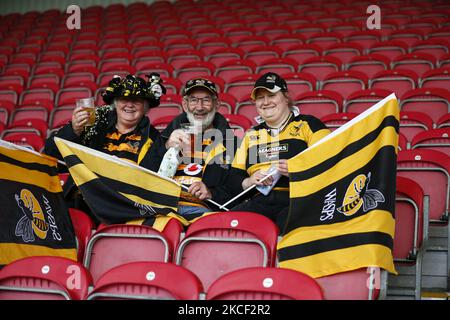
[(342, 191), (116, 190), (34, 219)]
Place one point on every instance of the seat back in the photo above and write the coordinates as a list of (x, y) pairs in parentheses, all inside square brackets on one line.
[(259, 283), (431, 170), (114, 245), (44, 278), (436, 139), (83, 227), (227, 241), (359, 284), (147, 280)]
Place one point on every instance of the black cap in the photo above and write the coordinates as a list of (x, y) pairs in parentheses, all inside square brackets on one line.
[(271, 82), (135, 87), (200, 83)]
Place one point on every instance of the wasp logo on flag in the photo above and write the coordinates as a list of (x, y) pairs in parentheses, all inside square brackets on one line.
[(358, 194), (33, 222)]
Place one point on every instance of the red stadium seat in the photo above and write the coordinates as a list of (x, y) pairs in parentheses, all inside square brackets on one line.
[(369, 64), (302, 52), (265, 284), (319, 103), (434, 47), (416, 62), (83, 227), (320, 67), (38, 126), (233, 68), (344, 51), (182, 56), (44, 278), (444, 121), (362, 100), (353, 285), (69, 96), (412, 123), (300, 82), (399, 81), (241, 86), (147, 280), (219, 56), (162, 122), (366, 38), (433, 101), (435, 139), (345, 82), (277, 65), (29, 140), (114, 245), (285, 42), (44, 81), (391, 48), (38, 98), (335, 120), (196, 69), (222, 242), (411, 233), (408, 36), (261, 53), (436, 78)]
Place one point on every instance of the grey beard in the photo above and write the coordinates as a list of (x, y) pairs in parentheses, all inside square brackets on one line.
[(205, 123)]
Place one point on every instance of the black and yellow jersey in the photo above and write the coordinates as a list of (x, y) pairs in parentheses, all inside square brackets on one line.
[(262, 146), (190, 170)]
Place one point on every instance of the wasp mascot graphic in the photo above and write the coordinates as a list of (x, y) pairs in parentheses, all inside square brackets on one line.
[(33, 220), (359, 195)]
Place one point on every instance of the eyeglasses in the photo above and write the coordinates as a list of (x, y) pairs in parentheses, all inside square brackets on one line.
[(207, 101)]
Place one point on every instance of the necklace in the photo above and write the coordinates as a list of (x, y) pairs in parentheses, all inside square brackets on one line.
[(281, 127)]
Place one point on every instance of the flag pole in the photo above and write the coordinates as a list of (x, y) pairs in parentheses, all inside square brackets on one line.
[(245, 191), (182, 186)]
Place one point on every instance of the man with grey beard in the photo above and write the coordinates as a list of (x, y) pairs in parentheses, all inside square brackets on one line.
[(206, 145)]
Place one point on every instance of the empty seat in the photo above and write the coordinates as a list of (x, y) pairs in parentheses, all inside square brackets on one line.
[(29, 140), (320, 67), (444, 121), (222, 242), (69, 96), (196, 69), (335, 120), (433, 101), (391, 48), (430, 169), (345, 82), (117, 244), (344, 51), (362, 100), (319, 103), (435, 139), (38, 126), (436, 78), (360, 284), (434, 47), (219, 56), (370, 64), (265, 284), (44, 278), (302, 52), (398, 81), (241, 86), (233, 68), (412, 123), (147, 280), (83, 226), (411, 233), (277, 65), (416, 62)]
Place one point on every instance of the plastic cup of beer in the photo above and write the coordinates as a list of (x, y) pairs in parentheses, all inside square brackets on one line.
[(88, 104), (194, 131)]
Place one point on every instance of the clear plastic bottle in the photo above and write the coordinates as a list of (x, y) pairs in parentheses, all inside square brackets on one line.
[(170, 162)]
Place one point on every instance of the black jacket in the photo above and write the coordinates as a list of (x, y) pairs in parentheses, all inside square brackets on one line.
[(217, 166), (105, 125)]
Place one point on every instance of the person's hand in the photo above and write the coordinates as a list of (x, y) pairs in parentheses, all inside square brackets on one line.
[(282, 167), (199, 190), (179, 138), (80, 117), (256, 178)]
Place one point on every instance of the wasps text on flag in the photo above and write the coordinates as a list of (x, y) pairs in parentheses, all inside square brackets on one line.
[(118, 191), (34, 220), (342, 191)]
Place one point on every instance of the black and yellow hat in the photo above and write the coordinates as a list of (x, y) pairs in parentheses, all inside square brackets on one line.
[(135, 87), (271, 82), (200, 83)]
